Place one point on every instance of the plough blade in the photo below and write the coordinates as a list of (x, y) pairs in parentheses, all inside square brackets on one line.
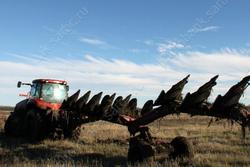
[(93, 102), (199, 97), (71, 101), (147, 107), (233, 95), (127, 99), (82, 101), (174, 94)]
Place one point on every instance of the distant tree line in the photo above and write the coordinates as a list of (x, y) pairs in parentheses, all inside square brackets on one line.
[(6, 108)]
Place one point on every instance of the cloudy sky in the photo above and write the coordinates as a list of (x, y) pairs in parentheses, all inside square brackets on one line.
[(138, 47)]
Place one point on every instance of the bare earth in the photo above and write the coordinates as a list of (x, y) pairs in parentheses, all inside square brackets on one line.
[(105, 144)]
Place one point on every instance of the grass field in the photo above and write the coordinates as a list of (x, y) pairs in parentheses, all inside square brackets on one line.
[(105, 144)]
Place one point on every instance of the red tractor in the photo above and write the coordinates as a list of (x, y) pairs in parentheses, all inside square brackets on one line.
[(33, 117)]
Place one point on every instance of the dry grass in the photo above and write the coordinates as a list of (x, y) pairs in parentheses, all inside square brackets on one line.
[(105, 144)]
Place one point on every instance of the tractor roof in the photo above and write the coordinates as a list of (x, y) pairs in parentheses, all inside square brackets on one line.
[(50, 81)]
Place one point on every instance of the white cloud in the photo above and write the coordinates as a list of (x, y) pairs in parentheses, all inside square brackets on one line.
[(204, 29), (167, 46), (92, 41), (144, 81), (227, 61)]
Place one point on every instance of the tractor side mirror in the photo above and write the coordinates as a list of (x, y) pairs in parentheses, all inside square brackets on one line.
[(19, 84), (67, 88)]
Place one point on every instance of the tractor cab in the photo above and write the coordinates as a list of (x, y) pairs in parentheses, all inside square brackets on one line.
[(47, 93)]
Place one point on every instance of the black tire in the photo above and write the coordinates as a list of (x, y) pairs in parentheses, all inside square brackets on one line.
[(15, 123), (182, 148), (139, 150), (12, 125), (34, 130), (8, 127)]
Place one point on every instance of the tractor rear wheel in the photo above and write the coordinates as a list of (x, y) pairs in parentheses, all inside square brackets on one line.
[(34, 125), (13, 125)]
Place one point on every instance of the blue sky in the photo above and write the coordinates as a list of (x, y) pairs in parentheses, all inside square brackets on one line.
[(137, 47)]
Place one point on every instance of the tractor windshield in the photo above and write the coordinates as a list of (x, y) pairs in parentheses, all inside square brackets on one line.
[(54, 93)]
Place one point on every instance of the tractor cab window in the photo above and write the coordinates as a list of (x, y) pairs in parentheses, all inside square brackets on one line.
[(35, 89), (54, 93)]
